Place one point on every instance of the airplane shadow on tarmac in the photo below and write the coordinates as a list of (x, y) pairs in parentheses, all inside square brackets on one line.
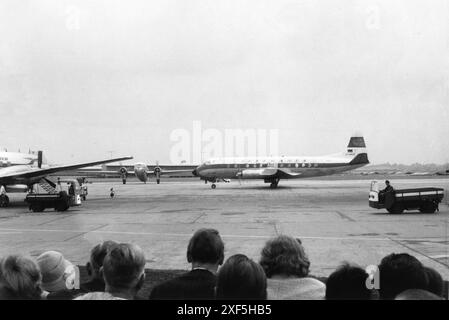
[(261, 188)]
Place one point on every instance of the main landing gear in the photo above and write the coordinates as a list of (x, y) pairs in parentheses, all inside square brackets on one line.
[(4, 201), (214, 182), (273, 182)]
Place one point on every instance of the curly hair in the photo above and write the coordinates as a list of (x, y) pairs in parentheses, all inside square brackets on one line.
[(20, 278), (284, 255)]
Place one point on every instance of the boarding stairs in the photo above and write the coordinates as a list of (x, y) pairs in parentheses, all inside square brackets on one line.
[(47, 185)]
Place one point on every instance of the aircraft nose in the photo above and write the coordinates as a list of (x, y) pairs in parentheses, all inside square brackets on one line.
[(197, 171)]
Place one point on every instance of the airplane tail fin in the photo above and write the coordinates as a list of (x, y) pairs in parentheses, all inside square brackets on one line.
[(356, 142), (357, 150)]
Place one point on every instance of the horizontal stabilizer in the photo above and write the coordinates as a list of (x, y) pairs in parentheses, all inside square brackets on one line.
[(361, 158)]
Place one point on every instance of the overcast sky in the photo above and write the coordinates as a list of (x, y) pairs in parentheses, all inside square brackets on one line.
[(81, 79)]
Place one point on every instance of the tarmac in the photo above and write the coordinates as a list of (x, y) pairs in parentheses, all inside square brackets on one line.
[(330, 215)]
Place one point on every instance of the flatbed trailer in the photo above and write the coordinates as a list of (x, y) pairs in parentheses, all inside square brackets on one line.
[(425, 200), (38, 202)]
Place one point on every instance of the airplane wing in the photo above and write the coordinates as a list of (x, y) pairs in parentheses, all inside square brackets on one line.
[(37, 172), (99, 171), (170, 171), (285, 173), (270, 173)]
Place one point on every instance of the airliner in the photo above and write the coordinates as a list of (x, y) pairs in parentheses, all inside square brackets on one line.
[(273, 169), (142, 171), (20, 171)]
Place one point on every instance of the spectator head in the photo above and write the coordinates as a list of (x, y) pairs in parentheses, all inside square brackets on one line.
[(20, 278), (57, 272), (417, 294), (435, 281), (206, 248), (124, 268), (387, 182), (241, 278), (347, 283), (399, 272), (97, 255), (284, 256)]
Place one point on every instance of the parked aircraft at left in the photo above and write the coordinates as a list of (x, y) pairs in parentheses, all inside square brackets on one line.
[(20, 171)]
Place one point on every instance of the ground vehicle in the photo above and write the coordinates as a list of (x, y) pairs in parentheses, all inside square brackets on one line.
[(425, 200), (67, 193), (38, 202), (73, 189)]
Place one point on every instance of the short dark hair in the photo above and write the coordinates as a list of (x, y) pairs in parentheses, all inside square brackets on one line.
[(123, 266), (284, 255), (241, 278), (20, 278), (206, 246), (435, 281), (386, 181), (347, 282), (399, 272), (98, 253)]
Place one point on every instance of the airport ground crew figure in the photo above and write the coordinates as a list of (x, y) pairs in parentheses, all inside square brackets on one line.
[(112, 193), (388, 187), (71, 190), (58, 188), (3, 198), (382, 193)]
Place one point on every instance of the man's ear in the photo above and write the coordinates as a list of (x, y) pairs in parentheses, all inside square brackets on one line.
[(141, 281), (101, 274), (89, 269), (189, 256)]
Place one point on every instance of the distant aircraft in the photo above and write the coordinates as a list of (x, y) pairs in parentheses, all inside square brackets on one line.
[(442, 173), (19, 172), (273, 169), (420, 174), (142, 171)]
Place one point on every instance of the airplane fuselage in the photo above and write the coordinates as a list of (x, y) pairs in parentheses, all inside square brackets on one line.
[(256, 168), (8, 159)]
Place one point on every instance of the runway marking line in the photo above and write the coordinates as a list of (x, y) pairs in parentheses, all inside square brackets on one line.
[(10, 230)]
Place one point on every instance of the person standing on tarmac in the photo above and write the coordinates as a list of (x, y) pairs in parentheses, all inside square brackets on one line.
[(112, 193), (58, 186)]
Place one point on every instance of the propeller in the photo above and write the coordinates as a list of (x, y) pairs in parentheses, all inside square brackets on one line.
[(239, 176), (39, 159)]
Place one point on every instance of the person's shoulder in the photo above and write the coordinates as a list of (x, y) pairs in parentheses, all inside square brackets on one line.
[(65, 294), (184, 285), (312, 282), (98, 296)]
